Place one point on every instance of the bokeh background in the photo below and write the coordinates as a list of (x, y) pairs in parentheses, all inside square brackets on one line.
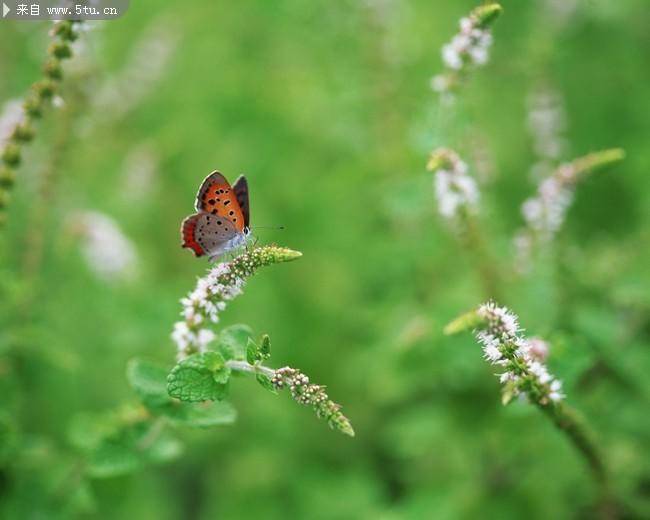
[(326, 106)]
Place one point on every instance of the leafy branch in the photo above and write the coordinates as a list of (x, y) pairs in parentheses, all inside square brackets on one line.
[(207, 360)]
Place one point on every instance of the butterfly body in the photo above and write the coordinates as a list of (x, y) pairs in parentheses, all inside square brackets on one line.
[(221, 222)]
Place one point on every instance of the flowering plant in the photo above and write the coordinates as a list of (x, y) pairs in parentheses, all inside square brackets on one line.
[(41, 94), (207, 360), (525, 374), (467, 49)]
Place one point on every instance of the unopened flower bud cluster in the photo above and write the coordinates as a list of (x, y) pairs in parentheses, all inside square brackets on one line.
[(522, 359), (304, 392), (17, 127)]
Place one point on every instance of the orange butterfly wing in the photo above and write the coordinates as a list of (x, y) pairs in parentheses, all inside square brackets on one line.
[(216, 196), (188, 233)]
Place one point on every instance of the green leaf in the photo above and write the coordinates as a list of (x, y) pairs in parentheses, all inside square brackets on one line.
[(265, 347), (214, 361), (508, 394), (233, 341), (222, 390), (467, 321), (131, 448), (193, 381), (87, 431), (265, 381), (164, 448), (222, 375), (204, 415), (252, 355), (8, 437), (113, 458), (149, 381), (81, 499)]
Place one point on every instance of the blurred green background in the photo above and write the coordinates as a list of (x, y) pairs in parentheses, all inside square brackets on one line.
[(326, 107)]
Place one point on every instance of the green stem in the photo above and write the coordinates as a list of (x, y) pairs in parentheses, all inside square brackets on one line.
[(152, 435), (243, 366), (39, 96), (485, 264), (567, 420)]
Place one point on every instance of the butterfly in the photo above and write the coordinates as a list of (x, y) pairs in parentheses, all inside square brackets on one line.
[(222, 220)]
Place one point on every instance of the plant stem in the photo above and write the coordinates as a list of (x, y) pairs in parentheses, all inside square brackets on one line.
[(474, 242), (152, 435), (568, 420), (39, 97), (243, 366), (565, 418)]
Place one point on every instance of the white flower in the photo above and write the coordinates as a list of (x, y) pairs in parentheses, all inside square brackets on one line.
[(556, 394), (58, 102), (503, 344), (538, 348), (507, 377), (144, 67), (500, 319), (545, 212), (108, 252), (440, 83), (490, 346), (466, 24), (539, 370), (203, 304), (203, 338), (451, 57), (453, 188), (469, 47), (182, 335)]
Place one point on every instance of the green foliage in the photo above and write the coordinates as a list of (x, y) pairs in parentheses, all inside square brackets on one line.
[(467, 321), (111, 448), (487, 14), (232, 341), (255, 353), (266, 383), (195, 379), (150, 383), (326, 107)]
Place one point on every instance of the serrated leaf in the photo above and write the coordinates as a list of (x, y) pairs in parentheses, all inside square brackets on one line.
[(192, 381), (149, 381), (233, 340), (265, 381), (204, 415)]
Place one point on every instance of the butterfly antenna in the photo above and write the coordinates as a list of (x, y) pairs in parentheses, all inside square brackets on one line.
[(268, 227)]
